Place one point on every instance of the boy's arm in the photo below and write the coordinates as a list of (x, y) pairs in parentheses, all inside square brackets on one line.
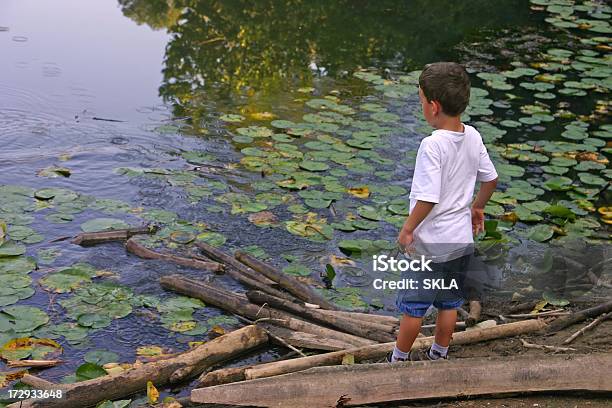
[(484, 194), (417, 215)]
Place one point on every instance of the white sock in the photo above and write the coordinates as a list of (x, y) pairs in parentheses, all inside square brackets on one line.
[(437, 351), (398, 355)]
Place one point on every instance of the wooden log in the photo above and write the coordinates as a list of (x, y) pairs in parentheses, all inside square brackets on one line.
[(577, 317), (368, 317), (378, 351), (217, 297), (474, 315), (163, 372), (359, 384), (305, 340), (291, 284), (221, 376), (93, 238), (146, 253), (33, 363), (229, 261), (374, 331)]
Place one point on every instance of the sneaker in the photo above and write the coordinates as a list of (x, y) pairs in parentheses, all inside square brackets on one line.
[(389, 356)]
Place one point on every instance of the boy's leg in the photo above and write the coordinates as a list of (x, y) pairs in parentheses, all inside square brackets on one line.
[(410, 327), (445, 326)]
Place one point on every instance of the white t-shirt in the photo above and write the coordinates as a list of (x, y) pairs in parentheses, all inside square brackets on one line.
[(448, 164)]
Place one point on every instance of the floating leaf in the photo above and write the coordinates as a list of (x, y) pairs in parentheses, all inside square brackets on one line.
[(103, 224), (152, 393), (101, 357), (541, 233), (89, 371)]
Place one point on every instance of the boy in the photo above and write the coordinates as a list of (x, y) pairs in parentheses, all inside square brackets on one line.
[(442, 220)]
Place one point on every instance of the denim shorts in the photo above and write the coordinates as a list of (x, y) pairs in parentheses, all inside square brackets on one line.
[(416, 302)]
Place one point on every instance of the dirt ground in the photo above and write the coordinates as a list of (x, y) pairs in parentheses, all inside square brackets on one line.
[(598, 340)]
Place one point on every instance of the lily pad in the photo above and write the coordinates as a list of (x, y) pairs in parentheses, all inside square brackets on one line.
[(103, 224)]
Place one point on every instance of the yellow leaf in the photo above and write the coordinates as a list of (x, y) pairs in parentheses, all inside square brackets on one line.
[(149, 351), (263, 115), (152, 393), (348, 359), (539, 306), (6, 378), (340, 261), (217, 330), (360, 192), (182, 326), (194, 344)]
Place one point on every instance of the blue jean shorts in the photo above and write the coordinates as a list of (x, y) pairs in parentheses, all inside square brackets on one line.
[(416, 303)]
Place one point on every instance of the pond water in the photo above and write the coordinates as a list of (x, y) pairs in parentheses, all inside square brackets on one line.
[(287, 128)]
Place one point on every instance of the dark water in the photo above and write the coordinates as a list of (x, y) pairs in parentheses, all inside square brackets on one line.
[(153, 67)]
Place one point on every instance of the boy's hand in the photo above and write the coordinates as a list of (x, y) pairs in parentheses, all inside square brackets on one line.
[(404, 240), (477, 220)]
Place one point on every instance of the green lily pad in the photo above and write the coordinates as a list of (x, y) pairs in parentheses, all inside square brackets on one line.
[(10, 248), (101, 357), (540, 233), (22, 319), (232, 118), (103, 224), (89, 371), (314, 166), (297, 269)]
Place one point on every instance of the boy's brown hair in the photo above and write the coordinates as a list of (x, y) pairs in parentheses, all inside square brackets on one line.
[(449, 84)]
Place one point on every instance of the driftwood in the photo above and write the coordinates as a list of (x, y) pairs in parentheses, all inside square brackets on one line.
[(93, 238), (556, 312), (146, 253), (168, 371), (233, 304), (577, 317), (374, 331), (33, 363), (474, 315), (378, 351), (291, 284), (304, 340), (376, 383), (366, 317), (231, 262), (588, 327)]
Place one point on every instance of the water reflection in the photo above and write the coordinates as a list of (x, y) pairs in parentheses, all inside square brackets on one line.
[(266, 44)]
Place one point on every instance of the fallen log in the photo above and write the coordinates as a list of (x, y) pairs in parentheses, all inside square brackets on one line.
[(231, 303), (588, 327), (368, 317), (373, 331), (162, 372), (304, 340), (359, 384), (146, 253), (33, 363), (577, 317), (93, 238), (229, 261), (378, 351), (291, 284)]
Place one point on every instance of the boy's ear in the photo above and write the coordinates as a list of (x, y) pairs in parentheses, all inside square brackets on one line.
[(437, 107)]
